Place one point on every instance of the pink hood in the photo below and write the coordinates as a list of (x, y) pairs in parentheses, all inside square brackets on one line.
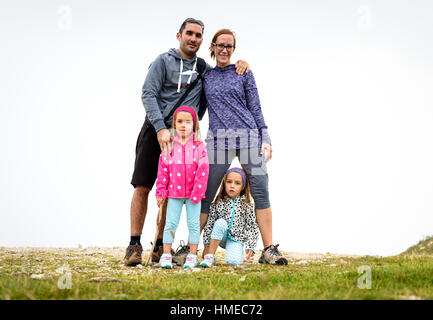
[(184, 172)]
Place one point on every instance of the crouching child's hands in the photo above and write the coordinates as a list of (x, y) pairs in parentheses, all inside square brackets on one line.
[(249, 254)]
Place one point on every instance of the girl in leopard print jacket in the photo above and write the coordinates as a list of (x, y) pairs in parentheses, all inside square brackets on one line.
[(232, 221)]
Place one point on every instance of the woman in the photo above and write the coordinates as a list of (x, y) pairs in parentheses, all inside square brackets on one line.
[(237, 128)]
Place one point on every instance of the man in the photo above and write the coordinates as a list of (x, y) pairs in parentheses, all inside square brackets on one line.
[(167, 80)]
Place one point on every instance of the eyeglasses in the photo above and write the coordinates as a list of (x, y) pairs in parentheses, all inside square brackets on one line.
[(221, 47)]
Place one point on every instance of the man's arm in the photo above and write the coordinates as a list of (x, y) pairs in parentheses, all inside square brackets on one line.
[(151, 88), (241, 67)]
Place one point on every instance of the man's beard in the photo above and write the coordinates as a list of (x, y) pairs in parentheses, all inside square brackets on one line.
[(190, 51)]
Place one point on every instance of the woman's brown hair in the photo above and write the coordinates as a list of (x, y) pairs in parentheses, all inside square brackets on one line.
[(245, 191), (215, 37)]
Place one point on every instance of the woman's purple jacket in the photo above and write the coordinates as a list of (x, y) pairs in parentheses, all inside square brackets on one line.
[(235, 116)]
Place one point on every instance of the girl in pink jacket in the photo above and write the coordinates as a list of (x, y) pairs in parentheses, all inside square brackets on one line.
[(182, 178)]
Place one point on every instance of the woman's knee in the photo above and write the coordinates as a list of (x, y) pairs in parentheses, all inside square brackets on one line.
[(260, 192), (205, 206)]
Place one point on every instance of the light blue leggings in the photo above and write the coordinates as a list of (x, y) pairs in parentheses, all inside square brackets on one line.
[(174, 209), (234, 250)]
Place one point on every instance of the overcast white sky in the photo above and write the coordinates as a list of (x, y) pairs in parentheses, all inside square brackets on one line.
[(346, 90)]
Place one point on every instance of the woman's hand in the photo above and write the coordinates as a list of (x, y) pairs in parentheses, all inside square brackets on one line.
[(249, 254), (268, 149), (159, 201), (242, 67)]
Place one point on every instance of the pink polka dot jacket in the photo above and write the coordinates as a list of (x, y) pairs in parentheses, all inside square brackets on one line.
[(184, 172)]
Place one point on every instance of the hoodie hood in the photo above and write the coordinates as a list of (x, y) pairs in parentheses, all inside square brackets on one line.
[(175, 53)]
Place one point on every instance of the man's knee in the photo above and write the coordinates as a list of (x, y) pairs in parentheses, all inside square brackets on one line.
[(141, 191)]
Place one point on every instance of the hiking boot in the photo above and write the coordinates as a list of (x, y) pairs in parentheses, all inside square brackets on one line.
[(181, 253), (272, 256), (157, 253), (165, 261), (133, 255), (208, 261), (191, 261)]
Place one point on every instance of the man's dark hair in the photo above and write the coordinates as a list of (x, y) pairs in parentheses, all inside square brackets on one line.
[(191, 20)]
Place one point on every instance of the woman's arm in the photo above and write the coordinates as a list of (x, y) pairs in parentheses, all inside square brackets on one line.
[(253, 104)]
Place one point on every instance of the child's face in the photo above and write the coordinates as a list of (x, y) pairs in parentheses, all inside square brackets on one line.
[(184, 124), (233, 184)]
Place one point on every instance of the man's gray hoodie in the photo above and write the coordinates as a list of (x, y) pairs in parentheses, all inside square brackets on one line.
[(165, 83)]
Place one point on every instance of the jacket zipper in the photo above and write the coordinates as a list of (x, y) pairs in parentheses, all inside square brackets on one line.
[(233, 216), (184, 169)]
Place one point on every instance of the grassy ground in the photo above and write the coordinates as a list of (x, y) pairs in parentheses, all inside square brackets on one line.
[(98, 273)]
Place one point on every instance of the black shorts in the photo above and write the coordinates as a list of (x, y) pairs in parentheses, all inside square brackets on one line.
[(147, 154)]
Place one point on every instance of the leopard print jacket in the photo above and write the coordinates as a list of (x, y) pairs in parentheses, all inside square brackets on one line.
[(242, 229)]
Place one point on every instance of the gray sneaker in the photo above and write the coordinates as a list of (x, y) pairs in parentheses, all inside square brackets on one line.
[(181, 252), (272, 256)]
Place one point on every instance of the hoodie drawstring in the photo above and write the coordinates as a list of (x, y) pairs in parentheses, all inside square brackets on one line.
[(180, 74), (193, 69)]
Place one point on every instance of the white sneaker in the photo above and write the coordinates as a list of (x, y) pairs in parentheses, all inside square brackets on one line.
[(208, 261), (191, 261), (165, 261)]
